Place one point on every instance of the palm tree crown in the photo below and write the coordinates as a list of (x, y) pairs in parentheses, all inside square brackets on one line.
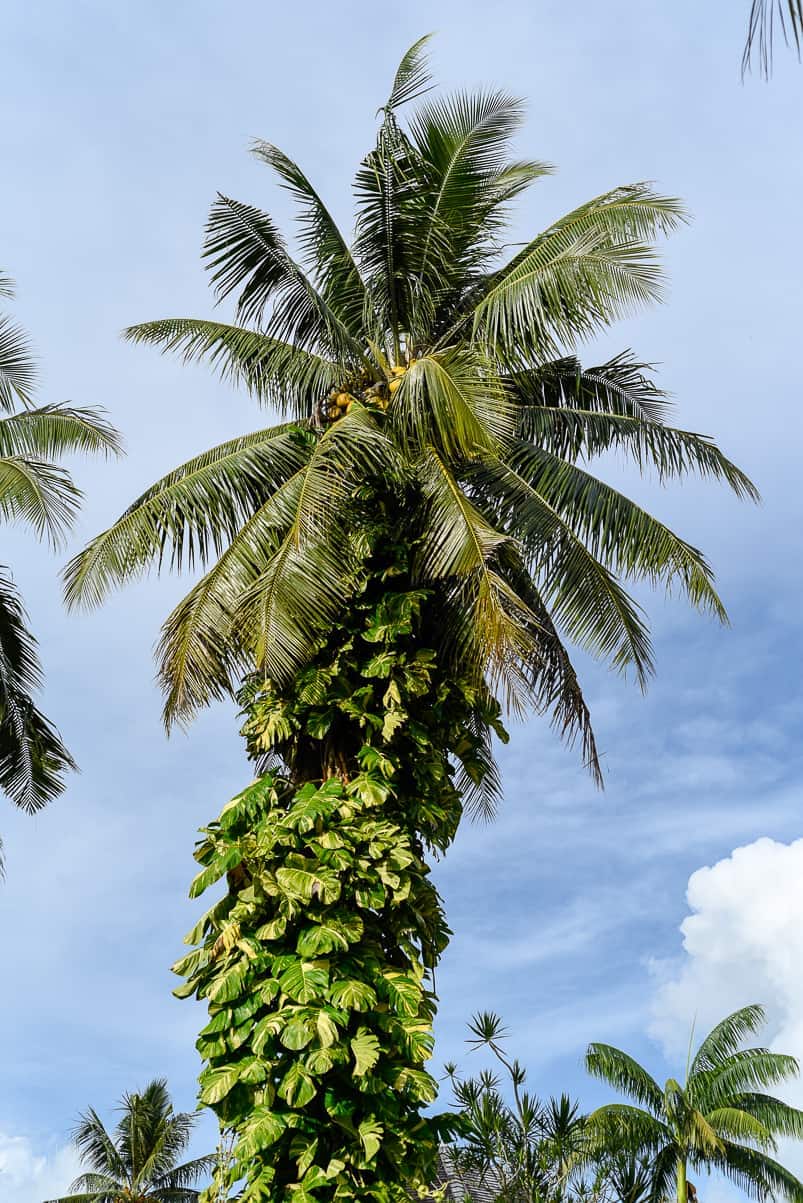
[(139, 1161), (719, 1118), (34, 491), (421, 374)]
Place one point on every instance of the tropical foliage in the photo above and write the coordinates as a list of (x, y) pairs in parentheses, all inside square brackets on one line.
[(421, 536), (38, 493), (315, 963), (420, 365), (720, 1117), (518, 1148), (140, 1160), (768, 17)]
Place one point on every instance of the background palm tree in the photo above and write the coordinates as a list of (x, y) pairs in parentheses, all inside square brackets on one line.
[(767, 17), (139, 1161), (719, 1118), (517, 1148), (33, 490), (421, 368)]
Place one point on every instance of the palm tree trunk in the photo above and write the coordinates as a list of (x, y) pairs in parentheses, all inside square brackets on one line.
[(682, 1184)]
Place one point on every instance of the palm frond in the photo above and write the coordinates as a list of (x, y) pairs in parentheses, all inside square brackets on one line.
[(291, 379), (246, 254), (17, 365), (611, 527), (7, 285), (621, 1071), (96, 1147), (582, 593), (40, 494), (575, 412), (325, 249), (757, 1174), (768, 18), (33, 758), (589, 268), (202, 652), (53, 430), (192, 512), (737, 1124), (452, 400), (465, 179), (726, 1038), (412, 78)]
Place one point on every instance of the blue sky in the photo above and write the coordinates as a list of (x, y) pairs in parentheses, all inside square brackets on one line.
[(121, 123)]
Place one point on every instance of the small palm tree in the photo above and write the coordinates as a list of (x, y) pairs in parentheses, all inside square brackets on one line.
[(718, 1119), (35, 491), (138, 1163)]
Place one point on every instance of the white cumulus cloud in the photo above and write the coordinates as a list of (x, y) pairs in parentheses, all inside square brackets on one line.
[(28, 1176), (743, 943)]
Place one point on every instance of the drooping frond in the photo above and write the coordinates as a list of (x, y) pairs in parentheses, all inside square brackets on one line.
[(575, 412), (768, 18), (33, 759), (17, 366), (190, 513), (40, 494), (452, 400), (292, 380), (582, 593), (613, 529), (53, 430), (757, 1174)]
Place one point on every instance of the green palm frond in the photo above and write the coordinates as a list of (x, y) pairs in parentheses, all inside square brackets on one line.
[(274, 372), (727, 1037), (33, 759), (17, 366), (779, 1117), (245, 252), (757, 1174), (736, 1124), (768, 18), (324, 247), (192, 512), (582, 594), (590, 268), (53, 430), (616, 531), (621, 1071), (39, 494), (412, 78), (434, 383), (452, 400)]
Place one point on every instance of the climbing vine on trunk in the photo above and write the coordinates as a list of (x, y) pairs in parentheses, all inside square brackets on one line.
[(317, 962)]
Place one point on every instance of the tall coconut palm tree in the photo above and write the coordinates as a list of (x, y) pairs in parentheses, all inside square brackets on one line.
[(38, 493), (423, 533), (421, 363), (139, 1161), (768, 18), (718, 1119)]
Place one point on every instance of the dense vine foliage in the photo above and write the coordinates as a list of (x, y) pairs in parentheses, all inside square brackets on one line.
[(316, 963)]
